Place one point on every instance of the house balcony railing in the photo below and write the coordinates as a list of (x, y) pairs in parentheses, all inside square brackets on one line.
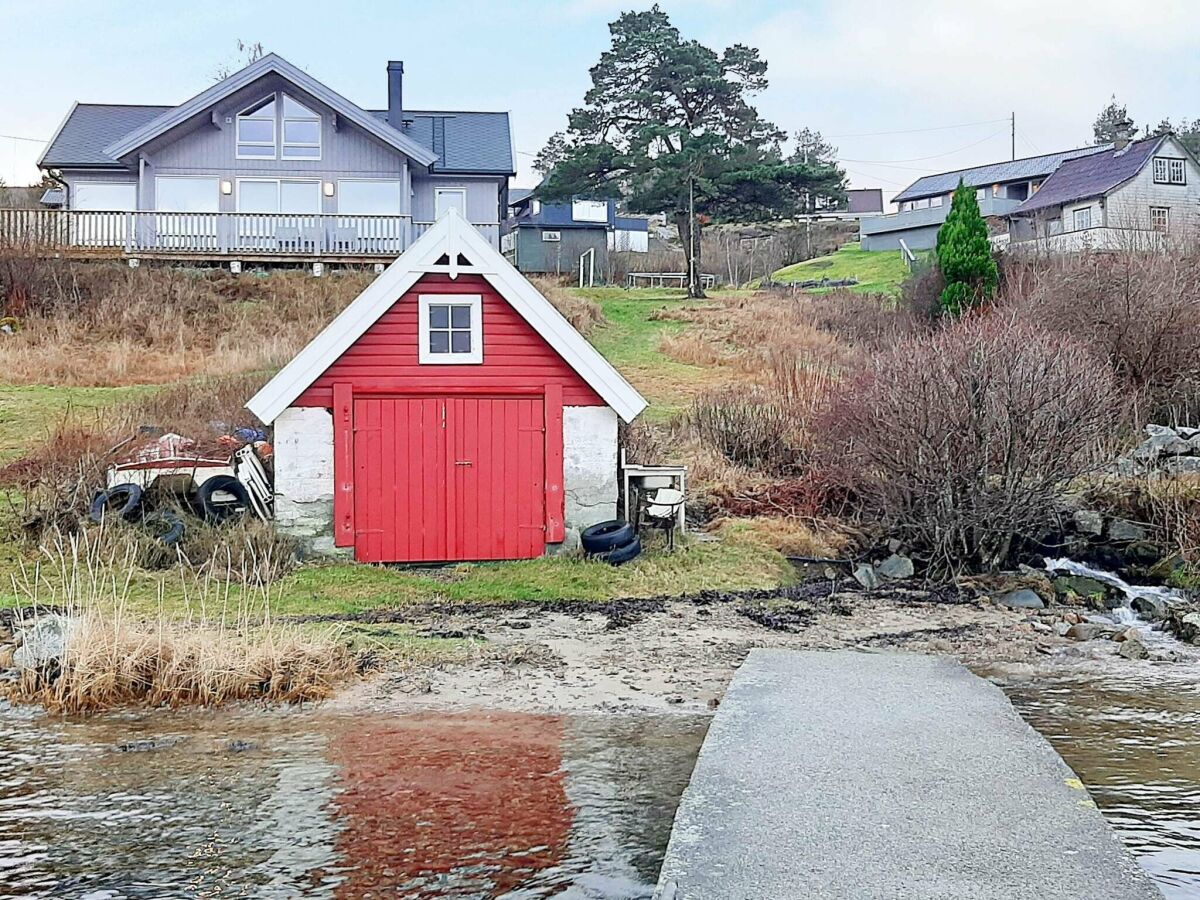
[(1102, 239), (282, 236)]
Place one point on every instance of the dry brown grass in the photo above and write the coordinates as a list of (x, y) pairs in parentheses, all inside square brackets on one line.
[(226, 647), (582, 313), (102, 324), (811, 538)]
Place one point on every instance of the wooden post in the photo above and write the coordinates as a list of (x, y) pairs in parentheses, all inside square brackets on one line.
[(343, 465)]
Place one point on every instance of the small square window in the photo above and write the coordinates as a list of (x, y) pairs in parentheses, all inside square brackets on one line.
[(451, 329), (1082, 219), (1160, 218)]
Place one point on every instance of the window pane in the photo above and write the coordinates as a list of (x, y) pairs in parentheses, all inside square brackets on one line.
[(369, 198), (460, 341), (439, 342), (264, 110), (460, 316), (304, 132), (300, 197), (296, 151), (439, 317), (258, 196), (292, 107), (256, 150), (186, 194), (262, 131)]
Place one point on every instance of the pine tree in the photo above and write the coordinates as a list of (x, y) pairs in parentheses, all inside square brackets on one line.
[(964, 254)]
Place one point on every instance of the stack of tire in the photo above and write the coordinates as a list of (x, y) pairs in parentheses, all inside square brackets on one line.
[(614, 542), (218, 499)]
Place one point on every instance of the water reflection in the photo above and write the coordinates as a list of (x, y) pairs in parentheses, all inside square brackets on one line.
[(284, 804), (1133, 735)]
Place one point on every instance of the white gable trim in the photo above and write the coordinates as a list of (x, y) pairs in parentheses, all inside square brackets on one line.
[(251, 73), (449, 236)]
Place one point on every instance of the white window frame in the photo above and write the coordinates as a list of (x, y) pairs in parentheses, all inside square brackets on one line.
[(176, 223), (278, 181), (1075, 214), (283, 123), (389, 181), (427, 357), (237, 130), (552, 237), (437, 192), (1166, 218), (1177, 166)]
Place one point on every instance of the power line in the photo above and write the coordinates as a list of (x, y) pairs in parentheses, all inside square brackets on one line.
[(13, 137), (917, 130), (876, 178), (884, 162)]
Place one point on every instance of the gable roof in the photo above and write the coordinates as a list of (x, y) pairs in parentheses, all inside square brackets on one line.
[(271, 63), (993, 173), (1091, 176), (449, 237)]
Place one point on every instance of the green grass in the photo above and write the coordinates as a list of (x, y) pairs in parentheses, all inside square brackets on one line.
[(630, 341), (29, 413), (877, 272)]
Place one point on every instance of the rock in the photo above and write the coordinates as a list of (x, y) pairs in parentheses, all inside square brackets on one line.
[(1185, 465), (895, 568), (1187, 433), (865, 575), (1150, 608), (1088, 521), (1154, 431), (1186, 627), (1090, 631), (1129, 634), (894, 545), (1163, 441), (1062, 628), (1125, 531), (1143, 553), (43, 643), (1133, 648), (1082, 586), (1023, 598)]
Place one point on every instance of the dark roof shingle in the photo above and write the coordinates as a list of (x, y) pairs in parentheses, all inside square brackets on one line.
[(1091, 176), (90, 127), (993, 173)]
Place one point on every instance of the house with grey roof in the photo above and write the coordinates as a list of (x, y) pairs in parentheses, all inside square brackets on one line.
[(922, 206), (1132, 194), (268, 164)]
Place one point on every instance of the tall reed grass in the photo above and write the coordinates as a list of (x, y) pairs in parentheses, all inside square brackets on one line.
[(220, 645)]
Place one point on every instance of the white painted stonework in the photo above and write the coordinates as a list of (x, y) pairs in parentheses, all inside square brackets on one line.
[(589, 467), (304, 476)]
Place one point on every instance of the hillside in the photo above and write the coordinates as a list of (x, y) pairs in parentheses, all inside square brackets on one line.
[(877, 272)]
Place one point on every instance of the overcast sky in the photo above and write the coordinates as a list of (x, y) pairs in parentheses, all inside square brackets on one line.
[(939, 76)]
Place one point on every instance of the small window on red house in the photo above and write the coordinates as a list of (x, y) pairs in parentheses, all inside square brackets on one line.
[(451, 329)]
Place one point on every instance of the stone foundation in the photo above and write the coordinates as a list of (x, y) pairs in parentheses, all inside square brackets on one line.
[(589, 468), (304, 478)]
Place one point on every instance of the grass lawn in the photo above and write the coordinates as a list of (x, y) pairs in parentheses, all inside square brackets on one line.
[(878, 272), (630, 341), (29, 413)]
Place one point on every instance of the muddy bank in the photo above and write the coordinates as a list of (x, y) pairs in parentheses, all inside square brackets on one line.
[(679, 653)]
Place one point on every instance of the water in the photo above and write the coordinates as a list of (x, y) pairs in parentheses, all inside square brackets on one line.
[(274, 804), (1132, 734)]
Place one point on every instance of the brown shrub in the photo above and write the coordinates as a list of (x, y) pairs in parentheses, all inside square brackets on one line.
[(1140, 311), (965, 441), (745, 426)]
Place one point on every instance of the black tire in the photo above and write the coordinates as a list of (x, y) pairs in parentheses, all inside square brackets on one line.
[(623, 554), (216, 509), (605, 536), (167, 526), (124, 500)]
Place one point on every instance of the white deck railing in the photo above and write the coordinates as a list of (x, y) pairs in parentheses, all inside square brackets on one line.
[(216, 234)]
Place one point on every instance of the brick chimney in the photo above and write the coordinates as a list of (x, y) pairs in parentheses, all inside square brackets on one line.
[(395, 108)]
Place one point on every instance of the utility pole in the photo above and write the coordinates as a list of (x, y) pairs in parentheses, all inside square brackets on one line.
[(1014, 134)]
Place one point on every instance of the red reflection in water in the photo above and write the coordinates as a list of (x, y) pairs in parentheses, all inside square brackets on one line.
[(422, 796)]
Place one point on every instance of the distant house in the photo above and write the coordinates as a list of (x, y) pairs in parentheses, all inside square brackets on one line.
[(1130, 194), (268, 164), (922, 206), (864, 201), (550, 238)]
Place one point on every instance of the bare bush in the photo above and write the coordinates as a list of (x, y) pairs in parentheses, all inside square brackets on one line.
[(745, 426), (1141, 311), (965, 441)]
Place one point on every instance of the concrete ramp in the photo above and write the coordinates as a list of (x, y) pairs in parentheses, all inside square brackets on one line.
[(880, 775)]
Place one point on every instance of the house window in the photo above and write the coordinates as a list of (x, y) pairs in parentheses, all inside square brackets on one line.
[(450, 329), (256, 131), (272, 195), (1160, 218), (552, 236), (446, 198), (1081, 219), (369, 198), (301, 131), (1169, 171)]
